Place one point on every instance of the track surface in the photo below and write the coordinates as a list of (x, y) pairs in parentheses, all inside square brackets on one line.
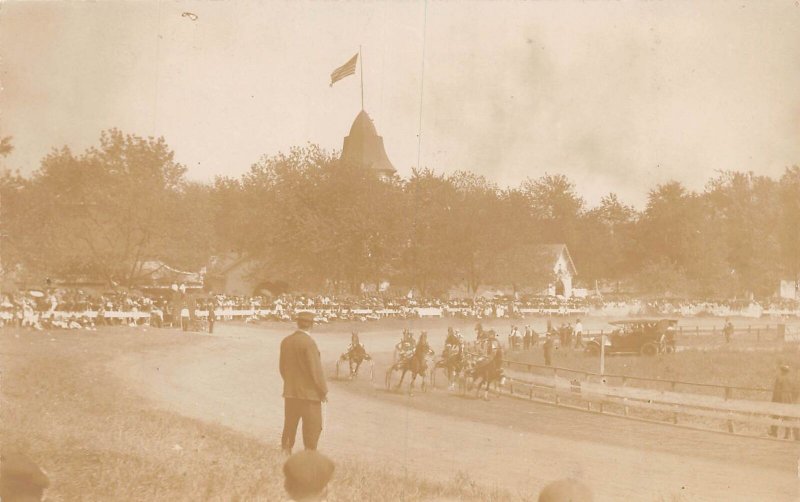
[(231, 378)]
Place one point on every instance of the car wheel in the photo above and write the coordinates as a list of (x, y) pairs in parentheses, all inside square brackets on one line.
[(649, 350)]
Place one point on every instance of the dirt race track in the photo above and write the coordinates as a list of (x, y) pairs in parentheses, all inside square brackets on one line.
[(231, 378)]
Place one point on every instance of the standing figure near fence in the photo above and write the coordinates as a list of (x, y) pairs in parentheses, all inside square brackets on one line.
[(728, 330), (579, 335), (548, 349), (304, 387), (212, 316), (185, 318), (784, 391)]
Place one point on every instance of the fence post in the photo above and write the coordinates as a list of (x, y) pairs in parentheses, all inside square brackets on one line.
[(555, 386), (674, 413), (727, 397), (625, 408)]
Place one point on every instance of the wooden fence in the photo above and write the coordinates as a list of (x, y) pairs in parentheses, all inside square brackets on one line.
[(715, 407), (724, 391)]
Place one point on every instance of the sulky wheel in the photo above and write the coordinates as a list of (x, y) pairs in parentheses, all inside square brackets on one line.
[(338, 362), (371, 370)]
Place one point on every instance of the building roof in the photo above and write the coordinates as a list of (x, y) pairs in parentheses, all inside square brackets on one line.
[(553, 251), (363, 147)]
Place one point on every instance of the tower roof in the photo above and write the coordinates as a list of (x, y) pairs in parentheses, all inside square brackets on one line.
[(363, 126), (363, 147)]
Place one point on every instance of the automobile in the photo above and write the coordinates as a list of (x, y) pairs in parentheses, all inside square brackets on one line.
[(647, 337)]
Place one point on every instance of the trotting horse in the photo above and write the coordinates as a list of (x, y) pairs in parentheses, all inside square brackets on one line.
[(487, 370), (452, 362), (355, 355), (416, 363)]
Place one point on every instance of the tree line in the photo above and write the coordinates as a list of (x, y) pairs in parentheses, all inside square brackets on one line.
[(320, 225)]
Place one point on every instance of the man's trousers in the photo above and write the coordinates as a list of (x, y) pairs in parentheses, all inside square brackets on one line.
[(311, 414)]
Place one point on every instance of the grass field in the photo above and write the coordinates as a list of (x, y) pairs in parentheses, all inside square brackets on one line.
[(99, 440)]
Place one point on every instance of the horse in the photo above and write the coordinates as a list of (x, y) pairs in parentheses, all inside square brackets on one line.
[(486, 370), (355, 355), (452, 362), (414, 362)]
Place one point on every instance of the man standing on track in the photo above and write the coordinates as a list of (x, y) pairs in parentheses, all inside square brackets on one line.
[(304, 388)]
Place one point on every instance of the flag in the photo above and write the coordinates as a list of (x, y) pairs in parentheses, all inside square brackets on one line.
[(349, 68)]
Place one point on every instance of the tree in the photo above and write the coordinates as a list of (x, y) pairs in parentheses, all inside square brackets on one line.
[(789, 222), (745, 214), (554, 202), (106, 211), (605, 243)]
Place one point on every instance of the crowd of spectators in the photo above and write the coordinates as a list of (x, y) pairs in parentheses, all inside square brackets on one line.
[(76, 309)]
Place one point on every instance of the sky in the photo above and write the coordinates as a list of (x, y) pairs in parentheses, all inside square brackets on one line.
[(618, 96)]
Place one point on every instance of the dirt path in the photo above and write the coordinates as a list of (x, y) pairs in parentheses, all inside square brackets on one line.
[(231, 378)]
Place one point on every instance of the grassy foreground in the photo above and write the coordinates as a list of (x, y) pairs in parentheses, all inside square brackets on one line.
[(99, 440)]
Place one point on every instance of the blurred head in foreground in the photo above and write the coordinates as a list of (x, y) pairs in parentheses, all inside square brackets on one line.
[(21, 480), (307, 474), (566, 490)]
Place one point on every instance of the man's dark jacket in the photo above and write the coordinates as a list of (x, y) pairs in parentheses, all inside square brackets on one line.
[(301, 368)]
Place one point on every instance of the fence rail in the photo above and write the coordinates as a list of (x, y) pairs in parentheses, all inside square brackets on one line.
[(726, 415), (727, 391)]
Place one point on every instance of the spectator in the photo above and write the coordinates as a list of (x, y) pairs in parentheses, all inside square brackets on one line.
[(548, 349), (185, 317), (783, 391), (21, 480), (212, 316), (526, 338), (566, 490), (728, 330), (306, 476), (304, 387), (579, 334)]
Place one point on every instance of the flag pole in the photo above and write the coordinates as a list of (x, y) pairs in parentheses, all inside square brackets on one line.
[(361, 66)]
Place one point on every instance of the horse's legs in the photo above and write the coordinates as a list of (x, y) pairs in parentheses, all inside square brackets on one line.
[(402, 376), (480, 383)]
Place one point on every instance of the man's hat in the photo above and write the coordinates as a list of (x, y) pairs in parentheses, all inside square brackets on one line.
[(785, 368), (21, 478), (307, 473), (306, 316)]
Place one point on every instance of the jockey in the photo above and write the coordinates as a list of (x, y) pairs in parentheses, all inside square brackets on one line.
[(406, 345), (423, 349), (452, 340), (492, 345)]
